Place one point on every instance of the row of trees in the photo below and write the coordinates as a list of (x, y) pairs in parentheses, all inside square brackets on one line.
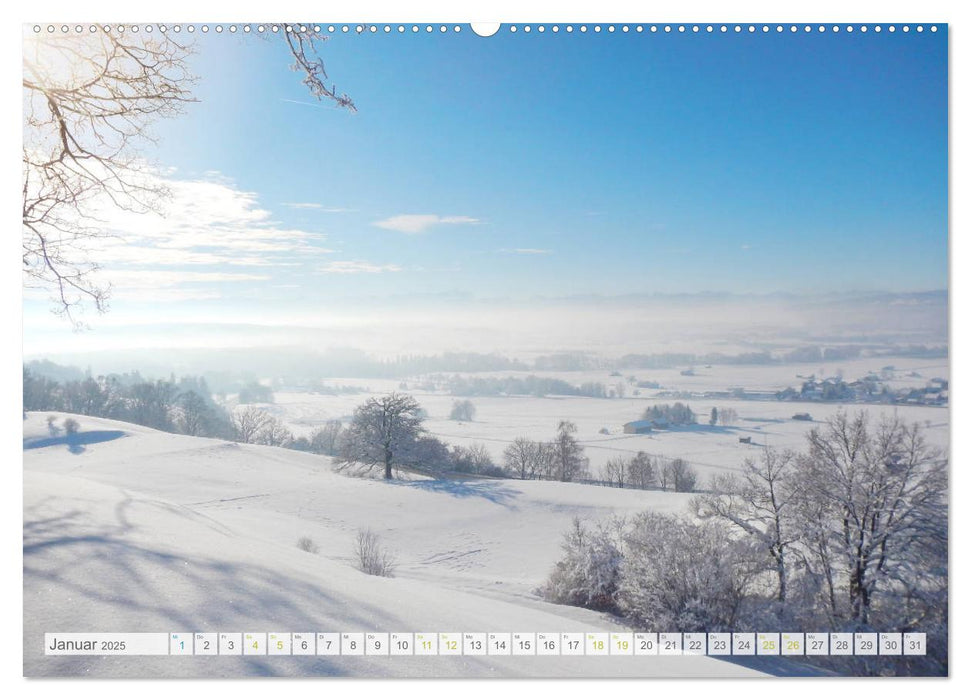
[(560, 459), (849, 535), (387, 433), (642, 471), (531, 385), (184, 406), (673, 414), (725, 416)]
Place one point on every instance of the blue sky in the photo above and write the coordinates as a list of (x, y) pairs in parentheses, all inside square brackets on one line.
[(551, 165)]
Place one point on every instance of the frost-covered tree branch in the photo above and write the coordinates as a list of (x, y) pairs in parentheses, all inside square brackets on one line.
[(89, 103)]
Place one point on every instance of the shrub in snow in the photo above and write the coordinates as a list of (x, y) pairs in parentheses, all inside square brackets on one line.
[(372, 557), (308, 545), (463, 410), (682, 575), (588, 573), (71, 426), (52, 426)]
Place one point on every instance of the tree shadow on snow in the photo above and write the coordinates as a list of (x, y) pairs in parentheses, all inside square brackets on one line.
[(83, 564), (76, 442), (492, 491)]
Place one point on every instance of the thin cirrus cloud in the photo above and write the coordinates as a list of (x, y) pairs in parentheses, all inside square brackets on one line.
[(316, 206), (356, 267), (419, 223), (526, 251), (148, 279)]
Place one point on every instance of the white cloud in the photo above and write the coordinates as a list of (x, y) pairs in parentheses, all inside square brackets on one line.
[(200, 222), (303, 205), (190, 225), (526, 251), (351, 267), (419, 223), (156, 279), (114, 255), (317, 207)]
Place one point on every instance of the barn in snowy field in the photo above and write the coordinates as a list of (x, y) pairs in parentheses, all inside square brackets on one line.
[(639, 426)]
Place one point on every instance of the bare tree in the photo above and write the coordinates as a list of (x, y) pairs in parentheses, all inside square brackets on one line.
[(679, 475), (884, 520), (615, 471), (521, 457), (248, 423), (89, 397), (152, 404), (381, 433), (569, 460), (642, 474), (39, 392), (90, 101), (324, 440), (274, 433), (761, 504), (545, 461), (474, 459), (727, 416), (193, 413), (304, 43)]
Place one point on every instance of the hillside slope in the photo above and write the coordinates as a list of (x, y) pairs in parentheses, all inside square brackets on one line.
[(129, 529)]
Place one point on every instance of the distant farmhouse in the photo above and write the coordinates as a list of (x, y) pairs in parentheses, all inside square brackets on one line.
[(637, 427), (870, 389)]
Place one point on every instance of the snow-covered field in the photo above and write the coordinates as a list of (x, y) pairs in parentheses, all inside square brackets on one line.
[(500, 419), (130, 529)]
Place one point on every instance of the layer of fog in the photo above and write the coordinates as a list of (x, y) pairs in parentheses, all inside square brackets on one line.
[(606, 327)]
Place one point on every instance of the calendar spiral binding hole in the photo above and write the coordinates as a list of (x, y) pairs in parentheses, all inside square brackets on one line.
[(582, 29)]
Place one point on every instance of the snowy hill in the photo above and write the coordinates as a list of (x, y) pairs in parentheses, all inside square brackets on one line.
[(128, 529)]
